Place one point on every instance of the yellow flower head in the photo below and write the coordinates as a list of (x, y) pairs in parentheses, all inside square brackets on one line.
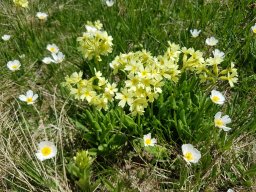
[(95, 42), (22, 3)]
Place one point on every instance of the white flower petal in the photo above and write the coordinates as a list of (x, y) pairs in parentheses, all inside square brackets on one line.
[(29, 93), (35, 97), (226, 119), (226, 128), (23, 98), (148, 136), (186, 148), (40, 156), (217, 115)]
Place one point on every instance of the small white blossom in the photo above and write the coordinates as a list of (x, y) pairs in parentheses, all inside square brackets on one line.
[(190, 154), (29, 98), (6, 37), (148, 141), (211, 41), (217, 97), (195, 32), (41, 15), (52, 48), (218, 54), (221, 122), (58, 58), (14, 65), (110, 3), (46, 150)]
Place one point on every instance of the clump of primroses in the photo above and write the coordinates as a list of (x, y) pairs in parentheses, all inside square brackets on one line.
[(141, 75), (95, 42)]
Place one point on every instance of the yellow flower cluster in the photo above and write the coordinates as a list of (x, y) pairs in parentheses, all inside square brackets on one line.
[(96, 91), (145, 75), (208, 69), (95, 42), (22, 3)]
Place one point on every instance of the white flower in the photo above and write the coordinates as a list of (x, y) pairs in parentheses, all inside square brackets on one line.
[(110, 3), (6, 37), (58, 58), (29, 97), (222, 121), (90, 28), (218, 54), (190, 154), (230, 190), (217, 97), (41, 16), (148, 141), (195, 32), (47, 60), (253, 28), (52, 48), (14, 65), (46, 150), (211, 41)]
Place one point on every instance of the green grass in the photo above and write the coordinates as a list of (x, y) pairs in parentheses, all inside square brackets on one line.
[(182, 114)]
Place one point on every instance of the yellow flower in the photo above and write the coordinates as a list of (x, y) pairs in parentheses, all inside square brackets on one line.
[(22, 3), (124, 97), (95, 42)]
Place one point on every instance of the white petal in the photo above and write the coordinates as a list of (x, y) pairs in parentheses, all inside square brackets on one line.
[(197, 155), (153, 141), (35, 97), (148, 136), (217, 115), (226, 128), (186, 148), (40, 156), (23, 98), (29, 93), (226, 119)]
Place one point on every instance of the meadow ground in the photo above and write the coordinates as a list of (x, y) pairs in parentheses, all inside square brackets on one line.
[(99, 119)]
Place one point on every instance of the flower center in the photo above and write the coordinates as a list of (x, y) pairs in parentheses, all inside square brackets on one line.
[(148, 141), (14, 66), (29, 100), (254, 30), (189, 156), (219, 122), (46, 151), (215, 98), (52, 49)]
